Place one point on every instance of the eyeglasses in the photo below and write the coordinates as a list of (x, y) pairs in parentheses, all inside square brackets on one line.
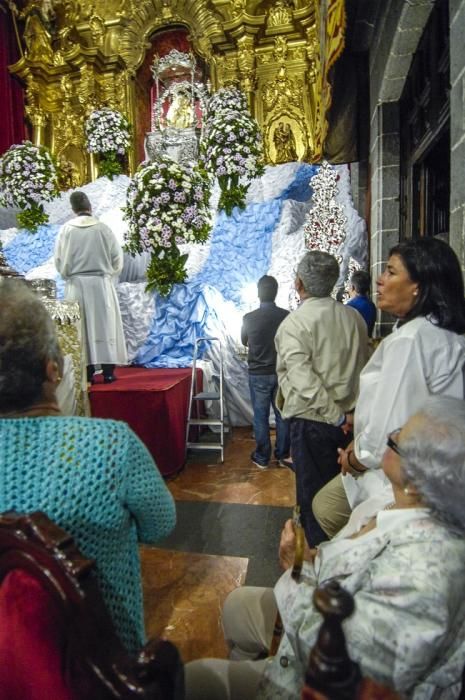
[(390, 442)]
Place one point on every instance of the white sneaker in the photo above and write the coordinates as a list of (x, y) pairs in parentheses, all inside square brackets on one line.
[(260, 466)]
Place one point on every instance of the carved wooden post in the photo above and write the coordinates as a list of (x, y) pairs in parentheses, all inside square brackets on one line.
[(330, 670)]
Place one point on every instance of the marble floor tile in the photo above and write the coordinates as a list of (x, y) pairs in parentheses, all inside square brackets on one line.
[(237, 480), (184, 595)]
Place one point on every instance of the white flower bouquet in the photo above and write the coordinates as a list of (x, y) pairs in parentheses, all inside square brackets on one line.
[(28, 177), (232, 148), (108, 133), (166, 205)]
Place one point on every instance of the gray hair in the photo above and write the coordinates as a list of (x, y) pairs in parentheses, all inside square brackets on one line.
[(318, 271), (434, 459), (27, 341), (79, 202)]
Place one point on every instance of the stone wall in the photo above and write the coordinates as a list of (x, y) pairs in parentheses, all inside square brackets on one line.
[(457, 106)]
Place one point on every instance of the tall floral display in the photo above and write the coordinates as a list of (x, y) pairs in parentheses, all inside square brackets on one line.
[(167, 205), (108, 135), (231, 148), (325, 225), (28, 177)]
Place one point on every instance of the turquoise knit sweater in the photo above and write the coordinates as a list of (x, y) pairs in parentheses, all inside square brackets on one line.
[(95, 479)]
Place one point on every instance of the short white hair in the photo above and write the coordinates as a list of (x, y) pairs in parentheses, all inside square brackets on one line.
[(434, 460)]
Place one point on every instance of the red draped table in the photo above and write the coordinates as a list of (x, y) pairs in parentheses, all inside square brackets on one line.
[(154, 402)]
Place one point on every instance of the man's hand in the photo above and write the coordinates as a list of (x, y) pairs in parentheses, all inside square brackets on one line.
[(348, 426)]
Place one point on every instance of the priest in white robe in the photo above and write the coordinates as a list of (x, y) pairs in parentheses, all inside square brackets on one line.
[(89, 258)]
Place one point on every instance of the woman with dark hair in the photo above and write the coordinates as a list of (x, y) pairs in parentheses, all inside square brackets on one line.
[(422, 286)]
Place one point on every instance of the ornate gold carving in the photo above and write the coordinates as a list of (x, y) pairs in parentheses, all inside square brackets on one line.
[(97, 29), (280, 49), (82, 55), (284, 143), (37, 39), (283, 93), (280, 14)]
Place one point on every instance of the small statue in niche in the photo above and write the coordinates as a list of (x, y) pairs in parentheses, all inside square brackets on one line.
[(284, 143), (180, 114)]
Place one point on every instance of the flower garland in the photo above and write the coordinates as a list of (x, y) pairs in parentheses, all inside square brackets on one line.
[(108, 134), (232, 148), (28, 177), (166, 206)]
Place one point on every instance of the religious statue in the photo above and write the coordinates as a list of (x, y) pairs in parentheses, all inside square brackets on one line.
[(284, 143), (180, 114), (38, 40)]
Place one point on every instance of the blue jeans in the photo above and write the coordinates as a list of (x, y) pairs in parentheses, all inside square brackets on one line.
[(263, 389)]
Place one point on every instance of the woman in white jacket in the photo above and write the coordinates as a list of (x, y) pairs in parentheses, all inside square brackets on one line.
[(422, 286)]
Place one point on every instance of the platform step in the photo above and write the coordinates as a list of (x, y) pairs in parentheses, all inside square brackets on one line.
[(207, 396), (204, 421), (204, 446)]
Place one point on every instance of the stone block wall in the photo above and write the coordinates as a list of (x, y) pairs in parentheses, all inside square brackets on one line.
[(457, 107)]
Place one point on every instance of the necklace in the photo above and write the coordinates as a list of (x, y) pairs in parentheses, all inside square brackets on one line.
[(39, 409)]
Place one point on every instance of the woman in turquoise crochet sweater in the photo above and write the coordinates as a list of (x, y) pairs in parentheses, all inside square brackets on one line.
[(93, 477)]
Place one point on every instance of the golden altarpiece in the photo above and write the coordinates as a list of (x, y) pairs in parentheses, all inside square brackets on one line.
[(81, 55)]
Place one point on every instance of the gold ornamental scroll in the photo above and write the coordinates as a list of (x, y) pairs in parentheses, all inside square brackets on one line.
[(332, 23)]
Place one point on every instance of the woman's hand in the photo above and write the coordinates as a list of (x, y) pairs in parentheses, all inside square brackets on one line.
[(287, 545), (349, 462)]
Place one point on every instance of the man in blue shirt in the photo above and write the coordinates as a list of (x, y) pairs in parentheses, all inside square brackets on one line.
[(360, 288), (258, 331)]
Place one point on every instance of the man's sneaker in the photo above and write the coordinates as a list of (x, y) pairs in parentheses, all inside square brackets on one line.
[(286, 464), (260, 466)]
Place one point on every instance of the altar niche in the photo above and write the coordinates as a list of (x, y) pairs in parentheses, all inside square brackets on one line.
[(180, 102)]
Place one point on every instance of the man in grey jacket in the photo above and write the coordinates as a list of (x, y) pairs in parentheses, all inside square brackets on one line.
[(322, 347)]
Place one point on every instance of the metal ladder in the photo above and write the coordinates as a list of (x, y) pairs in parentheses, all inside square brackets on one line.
[(196, 396)]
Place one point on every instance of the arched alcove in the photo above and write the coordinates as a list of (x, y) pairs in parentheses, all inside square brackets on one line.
[(162, 41)]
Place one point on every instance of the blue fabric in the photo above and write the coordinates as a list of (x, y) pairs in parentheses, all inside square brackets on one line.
[(263, 388), (29, 250), (96, 480), (366, 308), (240, 253)]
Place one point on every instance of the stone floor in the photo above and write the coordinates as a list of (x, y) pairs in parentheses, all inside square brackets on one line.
[(230, 516)]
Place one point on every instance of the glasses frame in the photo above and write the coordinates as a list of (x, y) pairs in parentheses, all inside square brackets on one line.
[(392, 444)]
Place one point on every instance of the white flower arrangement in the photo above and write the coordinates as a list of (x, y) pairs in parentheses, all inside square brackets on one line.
[(166, 206), (108, 134), (232, 148), (28, 177)]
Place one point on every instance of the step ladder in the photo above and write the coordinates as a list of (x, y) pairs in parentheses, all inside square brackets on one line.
[(196, 397)]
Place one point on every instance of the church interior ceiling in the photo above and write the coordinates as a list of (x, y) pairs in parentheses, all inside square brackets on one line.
[(81, 55)]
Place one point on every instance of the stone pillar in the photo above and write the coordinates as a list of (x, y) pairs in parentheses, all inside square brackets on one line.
[(457, 139), (385, 190)]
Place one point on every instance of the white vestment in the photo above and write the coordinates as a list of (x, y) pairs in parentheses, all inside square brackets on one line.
[(89, 258)]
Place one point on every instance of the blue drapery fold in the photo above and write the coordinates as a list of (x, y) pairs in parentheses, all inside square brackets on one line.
[(240, 253)]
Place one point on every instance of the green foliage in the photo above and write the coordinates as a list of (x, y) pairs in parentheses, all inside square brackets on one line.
[(162, 273), (32, 218), (109, 165)]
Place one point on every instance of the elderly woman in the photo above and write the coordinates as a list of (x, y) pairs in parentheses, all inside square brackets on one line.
[(92, 477), (422, 286), (405, 569)]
